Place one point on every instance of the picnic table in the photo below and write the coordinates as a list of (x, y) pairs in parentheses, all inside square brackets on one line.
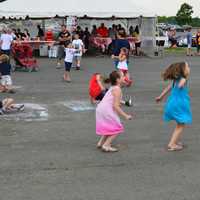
[(35, 43), (132, 41), (101, 42)]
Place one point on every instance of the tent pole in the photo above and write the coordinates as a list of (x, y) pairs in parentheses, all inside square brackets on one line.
[(43, 24)]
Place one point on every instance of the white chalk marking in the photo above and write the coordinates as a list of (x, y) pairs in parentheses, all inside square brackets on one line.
[(32, 112), (16, 87), (78, 106)]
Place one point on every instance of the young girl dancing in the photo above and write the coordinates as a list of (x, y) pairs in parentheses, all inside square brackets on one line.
[(178, 106), (123, 65), (108, 124)]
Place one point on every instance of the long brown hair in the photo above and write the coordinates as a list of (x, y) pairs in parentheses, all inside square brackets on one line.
[(113, 77), (174, 71)]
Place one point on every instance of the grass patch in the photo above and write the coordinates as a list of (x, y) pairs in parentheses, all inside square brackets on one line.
[(178, 50)]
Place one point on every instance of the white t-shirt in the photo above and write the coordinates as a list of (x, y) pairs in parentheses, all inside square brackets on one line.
[(78, 45), (6, 40), (122, 65), (69, 54)]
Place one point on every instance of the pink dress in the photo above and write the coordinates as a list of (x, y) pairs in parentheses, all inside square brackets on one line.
[(107, 120)]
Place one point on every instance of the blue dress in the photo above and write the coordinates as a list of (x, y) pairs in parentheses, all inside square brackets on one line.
[(178, 106)]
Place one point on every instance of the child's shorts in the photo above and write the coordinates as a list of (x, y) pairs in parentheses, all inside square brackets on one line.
[(124, 71), (6, 80), (101, 95), (68, 66), (189, 46), (7, 52), (77, 58)]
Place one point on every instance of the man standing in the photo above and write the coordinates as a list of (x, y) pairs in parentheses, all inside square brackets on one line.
[(40, 32), (64, 37), (6, 42), (189, 41)]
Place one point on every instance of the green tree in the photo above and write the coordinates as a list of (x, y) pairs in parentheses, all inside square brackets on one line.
[(162, 19), (184, 14), (195, 22)]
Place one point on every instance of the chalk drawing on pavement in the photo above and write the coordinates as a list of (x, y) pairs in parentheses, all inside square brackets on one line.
[(32, 112), (78, 106)]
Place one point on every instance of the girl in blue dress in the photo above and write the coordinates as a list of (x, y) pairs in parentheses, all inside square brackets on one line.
[(177, 107)]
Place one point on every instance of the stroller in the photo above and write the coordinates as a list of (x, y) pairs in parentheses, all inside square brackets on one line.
[(23, 57)]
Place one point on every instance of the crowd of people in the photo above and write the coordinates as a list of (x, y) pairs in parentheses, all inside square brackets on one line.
[(85, 35), (192, 40), (106, 92)]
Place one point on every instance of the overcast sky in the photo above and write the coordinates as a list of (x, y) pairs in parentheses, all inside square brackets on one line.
[(155, 7)]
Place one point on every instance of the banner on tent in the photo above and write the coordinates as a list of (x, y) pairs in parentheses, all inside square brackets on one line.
[(71, 23)]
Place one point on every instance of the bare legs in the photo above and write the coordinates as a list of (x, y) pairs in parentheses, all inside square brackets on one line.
[(101, 141), (67, 76), (189, 52), (78, 64), (175, 139), (105, 143)]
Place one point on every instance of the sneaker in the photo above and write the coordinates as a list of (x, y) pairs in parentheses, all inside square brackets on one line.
[(11, 92), (1, 112), (58, 66), (129, 102), (21, 107)]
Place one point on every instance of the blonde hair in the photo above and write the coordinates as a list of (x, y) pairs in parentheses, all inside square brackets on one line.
[(4, 58)]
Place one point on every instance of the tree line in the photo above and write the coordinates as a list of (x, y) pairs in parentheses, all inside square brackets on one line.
[(183, 17)]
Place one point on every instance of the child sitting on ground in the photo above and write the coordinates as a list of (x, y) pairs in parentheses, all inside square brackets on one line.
[(5, 71), (98, 89), (8, 105)]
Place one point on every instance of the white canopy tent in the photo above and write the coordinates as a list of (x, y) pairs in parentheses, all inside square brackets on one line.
[(88, 12), (79, 8)]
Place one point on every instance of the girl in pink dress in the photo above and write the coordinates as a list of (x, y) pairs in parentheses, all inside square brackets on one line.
[(108, 124)]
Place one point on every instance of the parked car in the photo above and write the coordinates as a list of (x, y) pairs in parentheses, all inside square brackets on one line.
[(183, 41)]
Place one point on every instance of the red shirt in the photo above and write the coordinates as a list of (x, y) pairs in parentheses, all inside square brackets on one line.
[(94, 88), (49, 36), (102, 31)]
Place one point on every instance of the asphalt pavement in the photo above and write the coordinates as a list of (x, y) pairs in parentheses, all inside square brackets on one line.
[(49, 152)]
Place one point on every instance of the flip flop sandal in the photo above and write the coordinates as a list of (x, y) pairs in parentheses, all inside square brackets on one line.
[(109, 149), (178, 148)]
